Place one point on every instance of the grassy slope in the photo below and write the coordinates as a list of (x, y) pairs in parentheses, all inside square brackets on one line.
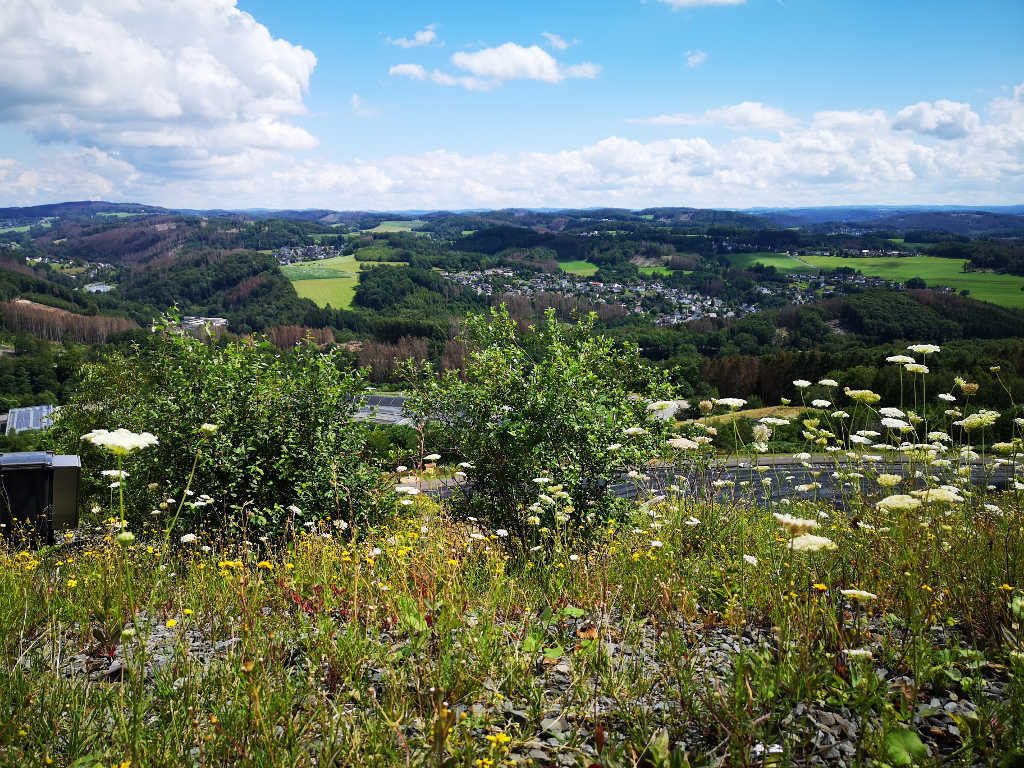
[(331, 282), (1004, 290), (651, 271), (578, 267), (398, 226), (780, 261)]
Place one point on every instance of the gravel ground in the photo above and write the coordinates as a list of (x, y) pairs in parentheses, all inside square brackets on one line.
[(815, 733)]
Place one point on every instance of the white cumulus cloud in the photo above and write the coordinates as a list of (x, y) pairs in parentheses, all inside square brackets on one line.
[(422, 37), (516, 62), (748, 115), (180, 85), (943, 118), (490, 67), (418, 72)]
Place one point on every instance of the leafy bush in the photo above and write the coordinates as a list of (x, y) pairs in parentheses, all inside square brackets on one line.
[(284, 435), (555, 403)]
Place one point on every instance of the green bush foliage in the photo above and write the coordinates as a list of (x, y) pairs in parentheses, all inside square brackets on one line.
[(555, 402), (284, 434)]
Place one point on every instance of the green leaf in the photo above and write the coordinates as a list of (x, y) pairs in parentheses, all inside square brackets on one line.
[(903, 747), (555, 652), (410, 616), (532, 643), (572, 610)]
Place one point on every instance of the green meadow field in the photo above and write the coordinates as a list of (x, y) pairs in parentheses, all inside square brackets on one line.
[(328, 283), (398, 226), (578, 267), (651, 271), (780, 261), (1004, 290)]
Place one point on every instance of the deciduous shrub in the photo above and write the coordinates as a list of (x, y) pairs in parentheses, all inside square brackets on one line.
[(556, 402), (284, 432)]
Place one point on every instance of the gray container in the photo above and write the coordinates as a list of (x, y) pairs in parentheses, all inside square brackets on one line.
[(38, 494)]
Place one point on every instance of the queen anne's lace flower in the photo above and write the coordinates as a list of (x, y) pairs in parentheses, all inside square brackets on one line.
[(120, 441), (938, 496), (863, 396), (980, 419), (899, 501), (682, 444), (811, 543), (889, 423), (735, 403), (924, 349)]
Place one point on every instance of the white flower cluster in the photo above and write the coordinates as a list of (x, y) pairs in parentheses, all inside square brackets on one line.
[(120, 441)]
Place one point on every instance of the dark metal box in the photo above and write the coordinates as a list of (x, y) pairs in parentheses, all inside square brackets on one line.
[(38, 493)]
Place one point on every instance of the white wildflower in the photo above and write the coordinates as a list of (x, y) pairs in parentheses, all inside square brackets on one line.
[(733, 403), (808, 542), (120, 441), (899, 501)]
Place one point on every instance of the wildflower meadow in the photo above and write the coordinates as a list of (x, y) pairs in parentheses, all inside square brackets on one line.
[(569, 570)]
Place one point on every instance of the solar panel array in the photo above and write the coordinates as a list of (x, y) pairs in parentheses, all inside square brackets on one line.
[(387, 401), (33, 417)]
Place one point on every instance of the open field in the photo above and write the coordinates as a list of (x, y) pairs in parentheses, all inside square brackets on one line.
[(336, 292), (1004, 290), (657, 270), (578, 267), (377, 252), (398, 226), (780, 261), (46, 224), (68, 269), (331, 282)]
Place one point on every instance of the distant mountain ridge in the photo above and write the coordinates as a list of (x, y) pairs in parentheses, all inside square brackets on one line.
[(78, 208), (963, 220)]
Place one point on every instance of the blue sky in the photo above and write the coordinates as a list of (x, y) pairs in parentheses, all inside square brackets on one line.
[(457, 104)]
